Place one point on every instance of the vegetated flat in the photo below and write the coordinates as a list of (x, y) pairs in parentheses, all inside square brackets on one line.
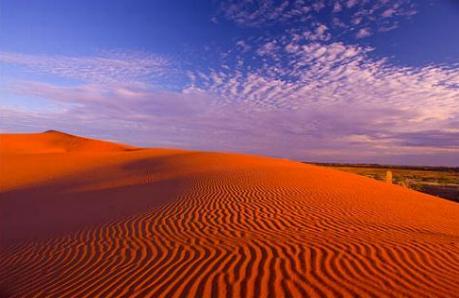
[(85, 218), (438, 181)]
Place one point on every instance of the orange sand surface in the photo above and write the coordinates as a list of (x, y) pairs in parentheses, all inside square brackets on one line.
[(86, 218)]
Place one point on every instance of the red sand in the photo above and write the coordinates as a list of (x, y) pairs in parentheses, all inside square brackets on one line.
[(86, 218)]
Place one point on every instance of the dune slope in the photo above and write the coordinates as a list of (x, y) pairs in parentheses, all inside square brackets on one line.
[(120, 222)]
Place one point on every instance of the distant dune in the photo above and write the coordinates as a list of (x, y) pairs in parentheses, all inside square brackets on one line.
[(86, 218)]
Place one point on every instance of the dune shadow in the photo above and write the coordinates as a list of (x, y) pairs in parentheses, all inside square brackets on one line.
[(49, 210)]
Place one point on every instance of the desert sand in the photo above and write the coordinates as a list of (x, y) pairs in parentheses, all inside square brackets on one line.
[(87, 218)]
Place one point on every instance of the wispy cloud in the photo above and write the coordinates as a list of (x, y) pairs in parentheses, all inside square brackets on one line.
[(321, 101), (340, 96), (334, 73), (362, 33), (107, 67), (344, 16)]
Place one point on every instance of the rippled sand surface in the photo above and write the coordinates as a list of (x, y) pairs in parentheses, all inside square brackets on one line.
[(86, 218)]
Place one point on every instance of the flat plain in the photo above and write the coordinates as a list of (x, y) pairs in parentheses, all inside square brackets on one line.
[(437, 181)]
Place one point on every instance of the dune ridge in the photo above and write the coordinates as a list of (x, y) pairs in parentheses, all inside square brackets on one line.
[(53, 141), (194, 224)]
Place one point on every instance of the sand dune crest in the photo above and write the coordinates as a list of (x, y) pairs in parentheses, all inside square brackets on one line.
[(53, 141)]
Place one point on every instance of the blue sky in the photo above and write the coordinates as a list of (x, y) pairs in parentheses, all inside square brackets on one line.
[(330, 80)]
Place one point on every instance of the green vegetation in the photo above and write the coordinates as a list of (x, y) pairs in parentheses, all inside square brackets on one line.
[(438, 181)]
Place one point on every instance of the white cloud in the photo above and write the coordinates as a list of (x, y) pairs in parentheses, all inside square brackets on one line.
[(377, 15), (337, 91), (389, 12), (364, 32), (243, 46), (267, 49), (319, 33)]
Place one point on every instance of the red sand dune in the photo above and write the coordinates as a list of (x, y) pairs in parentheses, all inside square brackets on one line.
[(85, 218)]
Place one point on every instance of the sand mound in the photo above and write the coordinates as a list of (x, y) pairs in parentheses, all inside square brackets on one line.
[(157, 223), (53, 141)]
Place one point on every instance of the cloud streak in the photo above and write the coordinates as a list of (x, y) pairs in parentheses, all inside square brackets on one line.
[(106, 68)]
